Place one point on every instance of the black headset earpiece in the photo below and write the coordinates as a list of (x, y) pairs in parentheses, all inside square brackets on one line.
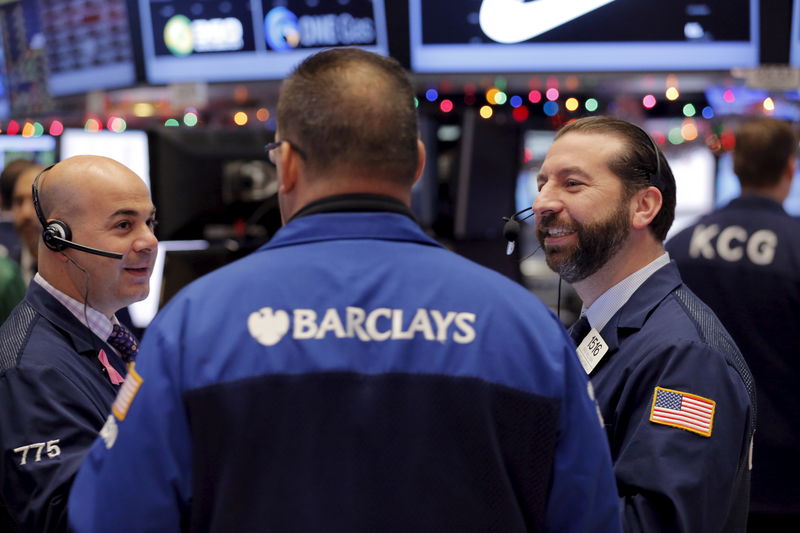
[(512, 228), (56, 233)]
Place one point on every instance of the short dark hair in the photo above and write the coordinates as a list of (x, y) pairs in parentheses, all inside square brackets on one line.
[(347, 108), (762, 151), (8, 179), (639, 166)]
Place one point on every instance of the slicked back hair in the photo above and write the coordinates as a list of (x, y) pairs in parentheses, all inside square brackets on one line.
[(351, 110), (636, 165), (762, 151)]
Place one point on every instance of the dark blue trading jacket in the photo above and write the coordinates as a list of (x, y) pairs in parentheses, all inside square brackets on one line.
[(670, 478), (744, 262), (54, 398), (352, 375)]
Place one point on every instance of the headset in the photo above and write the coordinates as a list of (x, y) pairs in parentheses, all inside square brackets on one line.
[(512, 227), (56, 234)]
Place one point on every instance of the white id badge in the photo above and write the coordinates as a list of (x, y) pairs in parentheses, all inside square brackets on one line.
[(591, 350)]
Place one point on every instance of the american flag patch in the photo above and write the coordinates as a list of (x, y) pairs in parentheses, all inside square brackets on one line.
[(683, 410), (126, 393)]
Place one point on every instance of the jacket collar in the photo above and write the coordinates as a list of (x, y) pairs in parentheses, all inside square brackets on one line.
[(754, 201), (82, 338), (329, 226), (638, 308)]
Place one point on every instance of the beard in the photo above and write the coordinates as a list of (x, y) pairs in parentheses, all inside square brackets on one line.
[(597, 243)]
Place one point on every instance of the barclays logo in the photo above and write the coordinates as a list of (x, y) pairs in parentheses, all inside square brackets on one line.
[(269, 326)]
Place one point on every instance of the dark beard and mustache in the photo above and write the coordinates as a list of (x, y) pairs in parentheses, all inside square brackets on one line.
[(597, 243)]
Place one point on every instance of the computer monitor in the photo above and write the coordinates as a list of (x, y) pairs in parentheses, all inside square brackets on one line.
[(131, 148), (189, 41), (591, 35), (88, 45), (40, 149)]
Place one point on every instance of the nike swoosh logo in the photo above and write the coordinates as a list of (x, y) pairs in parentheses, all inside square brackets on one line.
[(513, 21)]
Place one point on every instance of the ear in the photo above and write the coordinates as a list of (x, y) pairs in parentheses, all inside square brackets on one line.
[(420, 160), (791, 167), (645, 205), (289, 168)]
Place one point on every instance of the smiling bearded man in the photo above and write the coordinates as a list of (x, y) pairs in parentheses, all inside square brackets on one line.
[(675, 394)]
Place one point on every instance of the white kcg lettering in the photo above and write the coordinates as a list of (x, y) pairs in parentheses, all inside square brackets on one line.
[(269, 326), (733, 243)]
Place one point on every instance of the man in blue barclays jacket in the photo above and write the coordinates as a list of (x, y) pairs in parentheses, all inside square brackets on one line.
[(744, 262), (675, 394), (58, 372), (351, 375)]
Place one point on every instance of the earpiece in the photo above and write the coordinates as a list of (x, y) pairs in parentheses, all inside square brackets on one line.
[(512, 228), (56, 234)]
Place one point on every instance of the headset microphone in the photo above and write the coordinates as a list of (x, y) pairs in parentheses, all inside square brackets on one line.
[(512, 228), (56, 234)]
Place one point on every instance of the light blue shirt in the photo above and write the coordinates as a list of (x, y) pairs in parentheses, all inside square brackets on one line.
[(611, 301)]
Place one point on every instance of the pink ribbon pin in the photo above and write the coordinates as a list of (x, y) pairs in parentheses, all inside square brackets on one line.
[(113, 375)]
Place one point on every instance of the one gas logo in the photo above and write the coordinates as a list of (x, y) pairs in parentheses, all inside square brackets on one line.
[(183, 36), (280, 29), (284, 30)]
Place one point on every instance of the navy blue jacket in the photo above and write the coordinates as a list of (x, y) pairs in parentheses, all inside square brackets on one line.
[(54, 397), (351, 375), (744, 262), (671, 479)]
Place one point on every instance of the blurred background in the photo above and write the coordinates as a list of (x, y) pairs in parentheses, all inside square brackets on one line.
[(184, 93)]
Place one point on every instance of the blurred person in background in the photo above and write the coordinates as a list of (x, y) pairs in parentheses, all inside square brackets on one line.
[(743, 260)]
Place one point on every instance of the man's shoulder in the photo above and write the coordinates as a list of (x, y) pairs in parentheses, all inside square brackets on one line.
[(28, 337), (684, 320)]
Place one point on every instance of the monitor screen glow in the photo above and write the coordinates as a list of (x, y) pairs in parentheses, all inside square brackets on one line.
[(187, 41), (585, 35), (129, 148)]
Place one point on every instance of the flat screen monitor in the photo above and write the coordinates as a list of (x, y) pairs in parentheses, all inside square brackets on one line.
[(25, 59), (213, 184), (40, 149), (129, 148), (220, 40), (88, 45), (727, 186), (582, 35), (693, 167)]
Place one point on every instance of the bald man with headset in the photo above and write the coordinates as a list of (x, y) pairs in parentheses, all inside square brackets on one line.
[(62, 350)]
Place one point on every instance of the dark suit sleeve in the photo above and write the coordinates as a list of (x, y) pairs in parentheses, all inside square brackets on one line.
[(47, 424), (671, 479)]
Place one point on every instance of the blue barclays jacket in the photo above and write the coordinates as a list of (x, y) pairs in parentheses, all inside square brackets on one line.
[(744, 262), (54, 398), (672, 474), (351, 375)]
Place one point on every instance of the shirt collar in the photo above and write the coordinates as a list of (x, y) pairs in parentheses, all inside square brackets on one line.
[(611, 301), (93, 319)]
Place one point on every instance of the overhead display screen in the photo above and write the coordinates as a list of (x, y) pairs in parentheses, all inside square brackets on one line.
[(88, 45), (224, 40), (582, 35)]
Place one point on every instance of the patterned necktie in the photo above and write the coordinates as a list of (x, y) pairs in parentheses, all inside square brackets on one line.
[(580, 329), (124, 342)]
